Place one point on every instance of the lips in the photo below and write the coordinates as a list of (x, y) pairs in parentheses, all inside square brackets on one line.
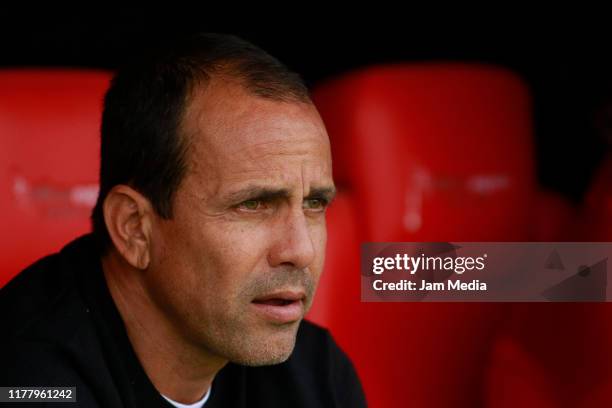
[(280, 307)]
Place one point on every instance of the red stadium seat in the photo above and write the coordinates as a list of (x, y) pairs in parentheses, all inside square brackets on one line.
[(49, 146), (434, 152), (429, 153), (516, 379)]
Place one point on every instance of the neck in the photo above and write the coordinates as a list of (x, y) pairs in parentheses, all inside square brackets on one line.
[(177, 368)]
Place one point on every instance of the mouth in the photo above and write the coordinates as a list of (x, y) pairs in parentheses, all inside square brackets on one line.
[(281, 307)]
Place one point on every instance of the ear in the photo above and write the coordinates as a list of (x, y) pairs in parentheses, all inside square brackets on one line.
[(128, 216)]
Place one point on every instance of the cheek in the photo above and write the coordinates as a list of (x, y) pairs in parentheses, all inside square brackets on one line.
[(217, 257), (235, 248), (319, 239)]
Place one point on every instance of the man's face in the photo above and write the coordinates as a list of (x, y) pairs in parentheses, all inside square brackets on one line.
[(236, 267)]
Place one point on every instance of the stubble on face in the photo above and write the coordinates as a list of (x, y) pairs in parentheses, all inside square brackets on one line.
[(213, 258)]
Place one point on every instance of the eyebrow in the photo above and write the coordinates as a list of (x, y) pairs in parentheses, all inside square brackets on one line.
[(327, 193), (272, 194)]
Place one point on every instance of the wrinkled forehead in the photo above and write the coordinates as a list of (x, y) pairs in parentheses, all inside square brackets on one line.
[(233, 132)]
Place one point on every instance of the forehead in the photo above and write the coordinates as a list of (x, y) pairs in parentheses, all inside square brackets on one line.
[(236, 136)]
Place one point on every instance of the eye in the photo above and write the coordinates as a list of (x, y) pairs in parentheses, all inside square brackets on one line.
[(316, 204), (251, 205)]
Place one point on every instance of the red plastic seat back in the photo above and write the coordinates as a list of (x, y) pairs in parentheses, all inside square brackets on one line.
[(516, 379), (49, 160), (429, 152), (434, 151)]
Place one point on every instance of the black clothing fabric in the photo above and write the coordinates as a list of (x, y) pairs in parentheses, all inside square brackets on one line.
[(59, 327)]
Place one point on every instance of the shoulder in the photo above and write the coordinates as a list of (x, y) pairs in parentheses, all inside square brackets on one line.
[(48, 334), (40, 364), (28, 296), (42, 315), (42, 300), (37, 363)]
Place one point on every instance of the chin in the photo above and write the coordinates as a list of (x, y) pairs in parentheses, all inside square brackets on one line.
[(267, 360), (269, 350), (270, 359)]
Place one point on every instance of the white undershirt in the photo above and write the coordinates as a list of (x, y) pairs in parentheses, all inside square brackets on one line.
[(197, 404)]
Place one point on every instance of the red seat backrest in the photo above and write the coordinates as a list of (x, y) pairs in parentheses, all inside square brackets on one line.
[(434, 152), (49, 160), (429, 153)]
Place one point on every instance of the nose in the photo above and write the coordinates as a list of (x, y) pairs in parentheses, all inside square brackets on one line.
[(293, 242)]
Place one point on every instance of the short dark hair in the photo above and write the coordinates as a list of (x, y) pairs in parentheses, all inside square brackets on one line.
[(141, 144)]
